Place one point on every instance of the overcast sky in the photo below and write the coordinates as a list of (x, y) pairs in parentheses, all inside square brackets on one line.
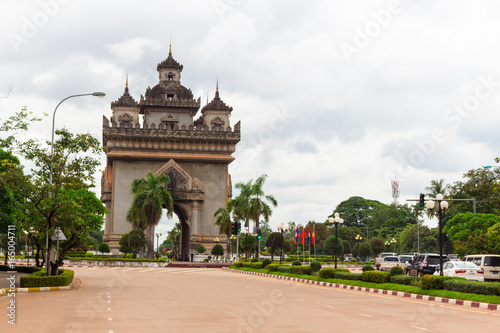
[(335, 97)]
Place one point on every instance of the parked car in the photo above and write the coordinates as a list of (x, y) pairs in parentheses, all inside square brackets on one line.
[(380, 259), (489, 263), (464, 269), (425, 263), (389, 262)]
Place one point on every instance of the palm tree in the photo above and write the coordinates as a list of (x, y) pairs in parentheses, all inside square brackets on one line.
[(151, 196), (223, 220), (437, 186), (251, 203), (174, 236)]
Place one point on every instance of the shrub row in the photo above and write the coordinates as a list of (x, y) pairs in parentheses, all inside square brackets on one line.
[(301, 270), (348, 276), (116, 259), (376, 276), (64, 278), (256, 265), (405, 280), (472, 287), (434, 282), (329, 273), (21, 269)]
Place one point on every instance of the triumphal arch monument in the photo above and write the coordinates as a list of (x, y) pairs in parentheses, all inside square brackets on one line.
[(166, 132)]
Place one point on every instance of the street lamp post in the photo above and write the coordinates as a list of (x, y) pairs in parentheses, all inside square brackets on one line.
[(387, 244), (158, 235), (336, 221), (97, 94), (393, 241), (442, 206)]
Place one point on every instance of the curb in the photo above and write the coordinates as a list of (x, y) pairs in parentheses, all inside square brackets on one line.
[(489, 306), (25, 290)]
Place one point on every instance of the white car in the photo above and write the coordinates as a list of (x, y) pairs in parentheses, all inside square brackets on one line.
[(468, 270)]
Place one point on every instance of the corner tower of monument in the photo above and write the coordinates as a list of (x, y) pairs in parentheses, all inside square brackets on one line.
[(160, 134)]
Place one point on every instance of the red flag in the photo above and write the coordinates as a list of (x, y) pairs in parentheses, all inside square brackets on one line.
[(312, 238), (303, 234)]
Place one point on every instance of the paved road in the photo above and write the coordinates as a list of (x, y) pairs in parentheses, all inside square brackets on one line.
[(113, 300)]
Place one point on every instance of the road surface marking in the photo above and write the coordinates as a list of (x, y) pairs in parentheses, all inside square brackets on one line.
[(147, 270), (366, 315), (300, 299), (329, 306)]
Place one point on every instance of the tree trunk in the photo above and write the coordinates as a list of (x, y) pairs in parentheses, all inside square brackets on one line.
[(150, 235)]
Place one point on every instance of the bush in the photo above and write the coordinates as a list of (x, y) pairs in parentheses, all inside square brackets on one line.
[(329, 273), (236, 264), (301, 270), (104, 248), (201, 249), (284, 269), (353, 260), (21, 269), (376, 276), (368, 268), (396, 270), (272, 267), (89, 255), (473, 287), (254, 260), (405, 280), (348, 276), (315, 266), (266, 262), (434, 282), (296, 263), (256, 265), (64, 278), (246, 264)]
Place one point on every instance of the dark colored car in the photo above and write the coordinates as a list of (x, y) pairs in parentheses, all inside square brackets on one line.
[(425, 263)]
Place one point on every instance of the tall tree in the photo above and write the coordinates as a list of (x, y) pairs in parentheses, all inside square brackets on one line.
[(151, 196), (357, 211), (223, 220), (73, 166), (274, 241), (468, 232), (482, 184), (252, 203)]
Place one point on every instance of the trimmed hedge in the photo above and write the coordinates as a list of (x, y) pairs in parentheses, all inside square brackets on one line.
[(21, 269), (272, 267), (367, 268), (472, 287), (315, 266), (301, 270), (257, 265), (296, 263), (348, 276), (376, 276), (236, 264), (434, 282), (396, 270), (254, 260), (405, 280), (246, 264), (284, 269), (64, 278), (329, 273), (266, 262), (115, 259)]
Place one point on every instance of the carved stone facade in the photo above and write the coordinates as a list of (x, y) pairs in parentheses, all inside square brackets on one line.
[(159, 134)]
